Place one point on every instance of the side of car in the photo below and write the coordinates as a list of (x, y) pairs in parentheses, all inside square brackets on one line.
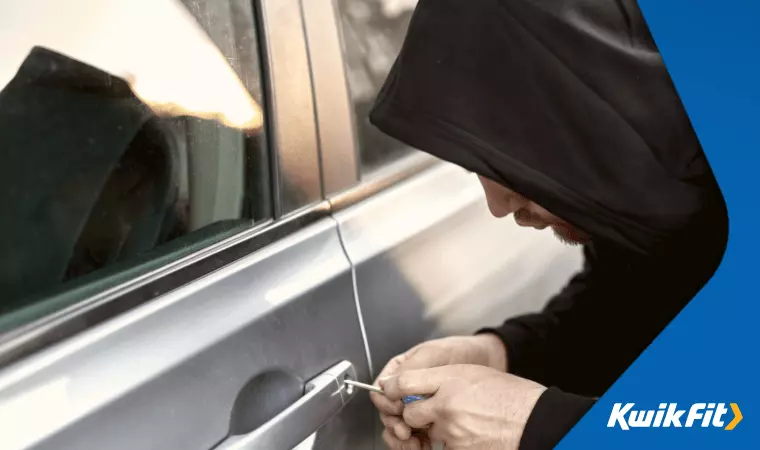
[(308, 251)]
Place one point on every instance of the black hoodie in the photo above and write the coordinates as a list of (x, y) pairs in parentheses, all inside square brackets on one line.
[(569, 103)]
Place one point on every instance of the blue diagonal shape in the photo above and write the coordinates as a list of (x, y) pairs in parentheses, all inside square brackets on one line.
[(710, 352)]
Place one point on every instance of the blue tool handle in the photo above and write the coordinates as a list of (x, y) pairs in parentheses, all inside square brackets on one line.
[(413, 398)]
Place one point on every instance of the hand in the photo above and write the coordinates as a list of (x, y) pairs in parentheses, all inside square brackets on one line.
[(470, 408), (484, 349)]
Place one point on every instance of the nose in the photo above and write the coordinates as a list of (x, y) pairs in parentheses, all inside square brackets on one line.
[(502, 206), (501, 201)]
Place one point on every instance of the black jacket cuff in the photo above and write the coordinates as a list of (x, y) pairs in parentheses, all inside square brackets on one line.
[(554, 415), (514, 338)]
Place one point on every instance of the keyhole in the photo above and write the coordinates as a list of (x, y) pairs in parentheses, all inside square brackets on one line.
[(349, 388)]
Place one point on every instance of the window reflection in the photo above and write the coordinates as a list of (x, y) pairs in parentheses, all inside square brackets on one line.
[(373, 33), (130, 130)]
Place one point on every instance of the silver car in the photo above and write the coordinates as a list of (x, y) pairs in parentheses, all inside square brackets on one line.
[(202, 236)]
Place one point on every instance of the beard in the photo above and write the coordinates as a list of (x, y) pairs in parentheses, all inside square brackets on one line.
[(570, 235), (565, 232)]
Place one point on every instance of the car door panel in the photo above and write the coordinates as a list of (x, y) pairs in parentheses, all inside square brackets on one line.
[(430, 261), (167, 374)]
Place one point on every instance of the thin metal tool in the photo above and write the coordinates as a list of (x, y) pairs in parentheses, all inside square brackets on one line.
[(368, 387)]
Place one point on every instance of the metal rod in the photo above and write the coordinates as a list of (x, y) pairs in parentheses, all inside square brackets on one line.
[(366, 387)]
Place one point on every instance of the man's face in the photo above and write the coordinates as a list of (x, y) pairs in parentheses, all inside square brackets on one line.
[(503, 202)]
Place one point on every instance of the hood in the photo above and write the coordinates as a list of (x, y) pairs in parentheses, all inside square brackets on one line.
[(566, 102)]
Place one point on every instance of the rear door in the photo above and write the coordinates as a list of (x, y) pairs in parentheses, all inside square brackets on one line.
[(171, 277)]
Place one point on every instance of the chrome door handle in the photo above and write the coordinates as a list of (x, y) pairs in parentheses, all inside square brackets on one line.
[(325, 395)]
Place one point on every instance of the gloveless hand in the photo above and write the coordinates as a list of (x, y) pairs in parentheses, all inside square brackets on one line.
[(471, 407), (484, 349)]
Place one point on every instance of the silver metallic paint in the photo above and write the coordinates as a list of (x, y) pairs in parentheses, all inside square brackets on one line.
[(166, 374)]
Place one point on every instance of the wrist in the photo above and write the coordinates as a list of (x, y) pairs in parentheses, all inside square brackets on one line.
[(496, 351)]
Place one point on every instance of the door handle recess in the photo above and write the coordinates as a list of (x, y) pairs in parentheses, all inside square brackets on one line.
[(324, 396)]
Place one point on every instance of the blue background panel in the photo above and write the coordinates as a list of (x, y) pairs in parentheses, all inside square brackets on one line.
[(709, 352)]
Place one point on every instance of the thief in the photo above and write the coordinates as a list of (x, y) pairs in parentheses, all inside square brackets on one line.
[(565, 111)]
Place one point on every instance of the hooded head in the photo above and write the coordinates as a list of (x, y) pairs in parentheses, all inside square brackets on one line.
[(567, 104)]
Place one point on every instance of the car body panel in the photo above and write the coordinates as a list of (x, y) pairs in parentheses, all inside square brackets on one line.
[(431, 261), (167, 374)]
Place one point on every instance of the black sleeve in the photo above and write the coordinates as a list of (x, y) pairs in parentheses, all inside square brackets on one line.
[(554, 415), (538, 344), (585, 337), (604, 318)]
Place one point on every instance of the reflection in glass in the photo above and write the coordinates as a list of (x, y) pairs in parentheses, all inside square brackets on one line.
[(131, 134), (373, 33)]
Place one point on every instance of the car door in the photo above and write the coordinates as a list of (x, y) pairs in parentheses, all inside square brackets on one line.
[(428, 258), (171, 275)]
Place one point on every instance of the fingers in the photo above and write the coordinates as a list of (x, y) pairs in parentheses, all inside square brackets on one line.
[(414, 382), (426, 445), (420, 414), (394, 443), (392, 367), (423, 357), (425, 442), (400, 429), (385, 405)]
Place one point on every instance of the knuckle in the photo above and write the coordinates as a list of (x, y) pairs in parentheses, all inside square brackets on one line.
[(410, 415), (447, 405), (458, 432), (425, 354), (404, 382), (415, 417), (397, 361)]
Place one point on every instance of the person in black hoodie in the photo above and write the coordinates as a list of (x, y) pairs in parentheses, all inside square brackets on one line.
[(566, 112)]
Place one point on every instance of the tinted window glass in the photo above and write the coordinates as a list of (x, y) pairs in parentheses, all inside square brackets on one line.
[(373, 33), (131, 135)]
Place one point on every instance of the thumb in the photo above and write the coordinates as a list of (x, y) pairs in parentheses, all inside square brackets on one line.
[(424, 357), (416, 358), (414, 382)]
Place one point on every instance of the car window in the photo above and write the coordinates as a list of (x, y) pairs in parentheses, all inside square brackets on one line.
[(373, 32), (132, 134)]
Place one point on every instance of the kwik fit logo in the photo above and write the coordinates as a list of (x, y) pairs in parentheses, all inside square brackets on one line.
[(669, 415)]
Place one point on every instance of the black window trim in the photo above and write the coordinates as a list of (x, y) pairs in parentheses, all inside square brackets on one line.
[(47, 331)]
